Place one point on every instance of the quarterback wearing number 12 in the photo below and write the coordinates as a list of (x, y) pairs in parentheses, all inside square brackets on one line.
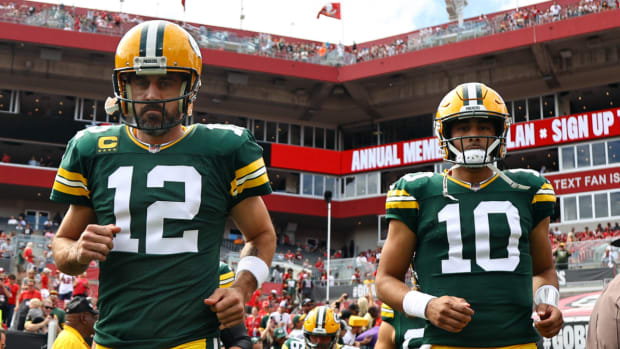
[(479, 235), (149, 200)]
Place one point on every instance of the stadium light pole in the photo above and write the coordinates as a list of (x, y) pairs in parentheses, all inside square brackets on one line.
[(328, 198)]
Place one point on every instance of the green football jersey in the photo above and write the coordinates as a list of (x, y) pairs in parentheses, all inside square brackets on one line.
[(294, 343), (408, 331), (171, 204), (477, 248)]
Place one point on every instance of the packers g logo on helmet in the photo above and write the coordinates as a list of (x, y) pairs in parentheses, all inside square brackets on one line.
[(472, 100), (321, 322), (155, 48)]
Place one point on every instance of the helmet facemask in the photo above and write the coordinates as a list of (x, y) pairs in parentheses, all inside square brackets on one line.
[(125, 98), (492, 147)]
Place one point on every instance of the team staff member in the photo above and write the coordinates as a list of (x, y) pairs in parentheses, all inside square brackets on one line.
[(479, 236), (79, 326), (149, 200)]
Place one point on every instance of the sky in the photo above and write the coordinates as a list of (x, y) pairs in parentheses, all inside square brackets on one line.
[(362, 20)]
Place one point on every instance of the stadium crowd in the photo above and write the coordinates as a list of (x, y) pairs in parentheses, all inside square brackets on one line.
[(115, 23)]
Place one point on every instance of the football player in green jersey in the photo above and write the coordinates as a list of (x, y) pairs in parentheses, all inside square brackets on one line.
[(321, 331), (149, 201), (479, 235), (399, 331)]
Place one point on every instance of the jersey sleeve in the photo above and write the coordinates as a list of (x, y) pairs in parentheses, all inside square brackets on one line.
[(227, 276), (543, 202), (250, 177), (400, 204), (70, 183), (387, 314)]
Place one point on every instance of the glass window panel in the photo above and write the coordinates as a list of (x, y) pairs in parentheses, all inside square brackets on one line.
[(318, 185), (570, 208), (585, 206), (277, 180), (373, 183), (282, 133), (548, 104), (330, 139), (295, 134), (598, 154), (307, 184), (614, 199), (568, 158), (271, 131), (292, 183), (583, 155), (613, 151), (361, 185), (330, 183), (600, 205), (533, 108), (259, 130), (308, 136), (319, 134), (349, 187), (519, 111)]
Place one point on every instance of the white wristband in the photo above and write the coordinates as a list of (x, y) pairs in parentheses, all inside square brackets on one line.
[(547, 294), (415, 302), (256, 266)]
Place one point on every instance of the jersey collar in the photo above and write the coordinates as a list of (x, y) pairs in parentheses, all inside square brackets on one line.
[(155, 148), (470, 186)]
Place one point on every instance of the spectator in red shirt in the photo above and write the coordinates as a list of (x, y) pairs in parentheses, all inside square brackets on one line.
[(30, 293), (298, 255), (253, 302), (289, 256), (45, 278), (338, 254), (252, 323), (11, 282), (80, 286), (319, 264), (28, 255)]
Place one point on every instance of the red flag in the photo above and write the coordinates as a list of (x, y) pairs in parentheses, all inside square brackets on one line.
[(183, 3), (332, 9)]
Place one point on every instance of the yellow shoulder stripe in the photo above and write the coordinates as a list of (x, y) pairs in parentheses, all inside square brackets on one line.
[(398, 192), (252, 183), (547, 186), (226, 276), (249, 168), (543, 197), (76, 191), (72, 176), (402, 204)]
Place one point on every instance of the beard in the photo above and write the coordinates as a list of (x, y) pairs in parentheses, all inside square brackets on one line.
[(151, 123)]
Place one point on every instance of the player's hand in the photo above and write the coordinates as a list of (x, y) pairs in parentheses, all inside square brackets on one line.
[(228, 305), (95, 243), (449, 313), (550, 322)]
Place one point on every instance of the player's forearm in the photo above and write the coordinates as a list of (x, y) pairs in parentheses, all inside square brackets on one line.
[(263, 246), (391, 290), (65, 256), (545, 277)]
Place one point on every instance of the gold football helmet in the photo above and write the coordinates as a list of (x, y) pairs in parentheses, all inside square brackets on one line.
[(155, 48), (472, 100), (321, 322)]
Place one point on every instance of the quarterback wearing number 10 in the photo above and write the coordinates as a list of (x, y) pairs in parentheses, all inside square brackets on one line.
[(149, 200), (477, 235)]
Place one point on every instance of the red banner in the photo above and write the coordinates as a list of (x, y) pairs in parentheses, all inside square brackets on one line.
[(586, 181)]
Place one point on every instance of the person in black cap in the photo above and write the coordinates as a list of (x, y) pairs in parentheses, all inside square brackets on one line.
[(79, 325), (605, 317), (307, 304)]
